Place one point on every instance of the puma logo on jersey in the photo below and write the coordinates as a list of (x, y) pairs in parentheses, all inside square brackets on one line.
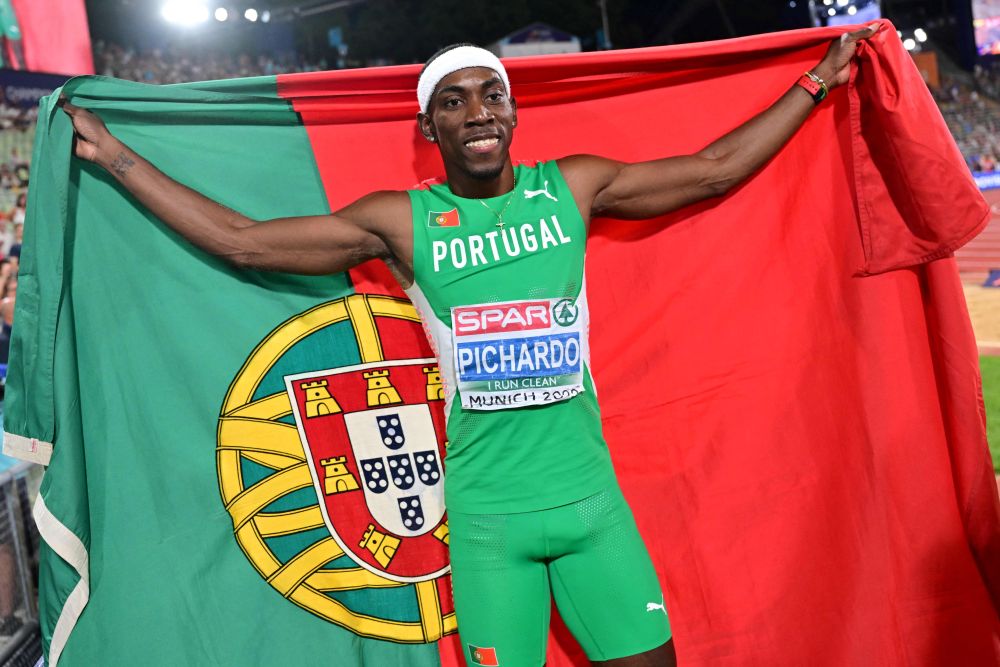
[(653, 606), (531, 194)]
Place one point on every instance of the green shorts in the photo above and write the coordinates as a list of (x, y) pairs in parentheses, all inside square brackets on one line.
[(588, 555)]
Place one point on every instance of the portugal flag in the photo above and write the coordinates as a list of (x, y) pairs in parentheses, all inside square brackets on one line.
[(445, 219), (802, 442)]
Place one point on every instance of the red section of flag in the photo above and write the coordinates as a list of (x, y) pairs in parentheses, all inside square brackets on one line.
[(803, 447), (55, 36), (374, 278)]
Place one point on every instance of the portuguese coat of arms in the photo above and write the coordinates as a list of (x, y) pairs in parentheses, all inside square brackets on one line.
[(375, 450)]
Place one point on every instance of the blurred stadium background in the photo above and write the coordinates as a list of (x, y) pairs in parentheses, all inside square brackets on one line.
[(954, 43)]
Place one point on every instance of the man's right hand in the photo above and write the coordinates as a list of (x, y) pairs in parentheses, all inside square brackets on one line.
[(92, 136)]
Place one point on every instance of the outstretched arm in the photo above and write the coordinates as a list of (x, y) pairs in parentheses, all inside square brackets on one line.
[(312, 245), (647, 189)]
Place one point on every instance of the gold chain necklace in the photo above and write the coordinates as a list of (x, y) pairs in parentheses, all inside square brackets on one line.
[(499, 215)]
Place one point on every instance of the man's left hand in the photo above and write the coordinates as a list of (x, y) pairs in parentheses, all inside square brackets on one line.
[(835, 68)]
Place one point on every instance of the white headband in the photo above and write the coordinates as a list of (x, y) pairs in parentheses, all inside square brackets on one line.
[(458, 58)]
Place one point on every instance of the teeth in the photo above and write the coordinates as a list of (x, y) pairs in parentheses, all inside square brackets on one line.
[(483, 143)]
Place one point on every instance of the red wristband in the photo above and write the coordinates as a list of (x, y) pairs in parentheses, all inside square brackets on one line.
[(813, 87)]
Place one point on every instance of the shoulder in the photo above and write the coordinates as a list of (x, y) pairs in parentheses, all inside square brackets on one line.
[(586, 166), (586, 175), (384, 199), (378, 209)]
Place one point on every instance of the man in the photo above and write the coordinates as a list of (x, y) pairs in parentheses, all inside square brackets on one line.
[(493, 261)]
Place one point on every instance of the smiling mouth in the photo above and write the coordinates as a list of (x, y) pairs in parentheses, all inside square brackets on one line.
[(483, 145)]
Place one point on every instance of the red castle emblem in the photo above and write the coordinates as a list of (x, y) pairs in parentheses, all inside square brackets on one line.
[(374, 437)]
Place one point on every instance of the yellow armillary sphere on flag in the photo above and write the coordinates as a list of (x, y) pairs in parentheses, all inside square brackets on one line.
[(330, 463)]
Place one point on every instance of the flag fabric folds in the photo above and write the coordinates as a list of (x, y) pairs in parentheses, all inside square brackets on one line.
[(788, 377)]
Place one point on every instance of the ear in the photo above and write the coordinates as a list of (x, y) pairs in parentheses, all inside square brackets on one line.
[(513, 106), (426, 127)]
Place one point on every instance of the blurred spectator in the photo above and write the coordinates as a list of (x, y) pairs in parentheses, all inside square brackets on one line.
[(987, 78), (15, 248), (7, 315)]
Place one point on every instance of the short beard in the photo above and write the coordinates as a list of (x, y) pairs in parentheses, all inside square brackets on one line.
[(489, 174)]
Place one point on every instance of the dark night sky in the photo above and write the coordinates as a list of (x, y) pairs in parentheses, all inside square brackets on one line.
[(411, 30)]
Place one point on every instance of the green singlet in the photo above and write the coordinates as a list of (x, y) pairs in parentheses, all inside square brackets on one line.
[(506, 310), (532, 499)]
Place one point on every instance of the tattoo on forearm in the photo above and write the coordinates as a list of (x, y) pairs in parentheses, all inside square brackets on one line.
[(122, 164)]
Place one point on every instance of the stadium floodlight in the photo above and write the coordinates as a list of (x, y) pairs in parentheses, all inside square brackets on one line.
[(184, 12), (909, 43), (831, 12), (920, 35), (852, 10), (221, 14), (843, 3), (250, 14), (827, 2), (265, 16)]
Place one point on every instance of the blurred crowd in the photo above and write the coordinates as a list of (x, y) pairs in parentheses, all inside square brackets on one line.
[(173, 65), (11, 233), (972, 112), (987, 78)]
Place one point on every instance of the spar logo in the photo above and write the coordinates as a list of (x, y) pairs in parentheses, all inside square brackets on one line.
[(566, 312), (502, 318)]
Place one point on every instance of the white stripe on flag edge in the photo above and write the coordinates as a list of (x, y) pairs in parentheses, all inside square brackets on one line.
[(71, 549), (27, 449)]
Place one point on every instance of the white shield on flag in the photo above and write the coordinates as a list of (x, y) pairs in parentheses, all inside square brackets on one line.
[(401, 479)]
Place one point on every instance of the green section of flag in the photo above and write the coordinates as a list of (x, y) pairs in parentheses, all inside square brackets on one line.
[(127, 342)]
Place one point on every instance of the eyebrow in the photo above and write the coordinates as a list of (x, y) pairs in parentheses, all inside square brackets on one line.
[(450, 89), (460, 89)]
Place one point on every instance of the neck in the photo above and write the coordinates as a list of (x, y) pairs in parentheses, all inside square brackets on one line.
[(464, 185)]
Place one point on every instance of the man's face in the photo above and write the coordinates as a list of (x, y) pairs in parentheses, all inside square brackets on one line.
[(472, 119)]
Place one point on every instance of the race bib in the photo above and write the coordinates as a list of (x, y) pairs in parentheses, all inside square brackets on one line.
[(519, 353)]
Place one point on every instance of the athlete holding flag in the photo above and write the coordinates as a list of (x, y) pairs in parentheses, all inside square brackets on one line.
[(494, 262)]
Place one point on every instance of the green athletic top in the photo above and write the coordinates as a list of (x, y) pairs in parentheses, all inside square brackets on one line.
[(505, 309)]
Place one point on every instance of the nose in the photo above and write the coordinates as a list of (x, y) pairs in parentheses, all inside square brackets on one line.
[(478, 114)]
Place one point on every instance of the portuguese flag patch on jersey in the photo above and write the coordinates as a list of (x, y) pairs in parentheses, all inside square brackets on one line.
[(483, 656), (446, 219)]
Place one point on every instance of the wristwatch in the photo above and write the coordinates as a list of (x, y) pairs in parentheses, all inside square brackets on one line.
[(815, 86)]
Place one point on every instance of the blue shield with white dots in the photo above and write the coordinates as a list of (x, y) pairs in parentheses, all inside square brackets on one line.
[(428, 470), (390, 429), (411, 513), (374, 475), (401, 471)]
